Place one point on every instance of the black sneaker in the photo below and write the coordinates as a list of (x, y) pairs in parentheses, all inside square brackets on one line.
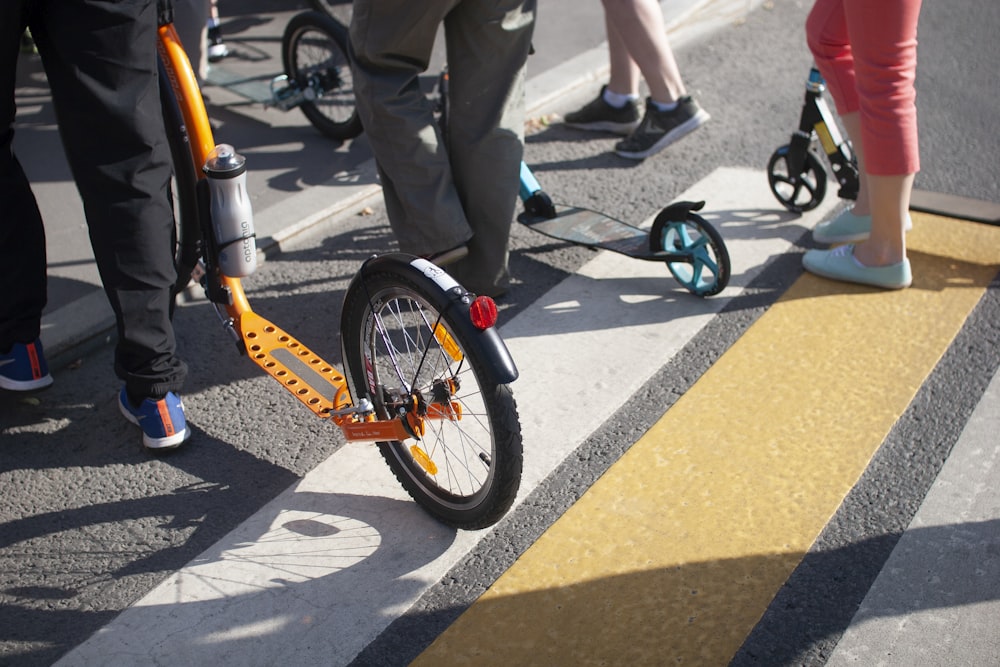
[(659, 129), (599, 116)]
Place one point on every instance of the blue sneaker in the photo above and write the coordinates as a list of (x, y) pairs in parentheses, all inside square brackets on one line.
[(849, 228), (162, 422), (841, 264), (24, 368)]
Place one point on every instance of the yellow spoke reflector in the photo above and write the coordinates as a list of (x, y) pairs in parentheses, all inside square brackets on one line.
[(420, 456), (447, 342)]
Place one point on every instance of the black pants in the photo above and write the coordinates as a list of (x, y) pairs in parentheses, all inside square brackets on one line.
[(100, 60)]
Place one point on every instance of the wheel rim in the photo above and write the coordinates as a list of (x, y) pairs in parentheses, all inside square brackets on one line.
[(796, 192), (317, 59), (702, 274), (402, 354)]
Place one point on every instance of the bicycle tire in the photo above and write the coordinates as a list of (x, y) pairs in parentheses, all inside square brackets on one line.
[(388, 344), (324, 6), (314, 54), (183, 187)]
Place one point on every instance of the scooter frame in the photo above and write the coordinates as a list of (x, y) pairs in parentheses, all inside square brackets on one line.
[(796, 175), (693, 250)]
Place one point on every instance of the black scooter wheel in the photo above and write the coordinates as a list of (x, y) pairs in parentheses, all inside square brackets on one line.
[(798, 192)]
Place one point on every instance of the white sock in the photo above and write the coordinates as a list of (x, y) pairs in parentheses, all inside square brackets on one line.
[(617, 100), (660, 106)]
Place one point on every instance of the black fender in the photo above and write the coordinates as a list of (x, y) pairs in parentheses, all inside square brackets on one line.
[(446, 295), (676, 212), (682, 209)]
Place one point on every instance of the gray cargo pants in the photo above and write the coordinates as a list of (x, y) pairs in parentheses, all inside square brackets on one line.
[(463, 189)]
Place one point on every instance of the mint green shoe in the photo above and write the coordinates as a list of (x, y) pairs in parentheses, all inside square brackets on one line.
[(841, 264), (848, 228)]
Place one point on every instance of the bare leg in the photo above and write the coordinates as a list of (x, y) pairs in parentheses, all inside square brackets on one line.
[(886, 199), (624, 78), (852, 125), (640, 27), (890, 202)]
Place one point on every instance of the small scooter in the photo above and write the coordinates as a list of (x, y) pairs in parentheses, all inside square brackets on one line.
[(795, 172), (692, 249)]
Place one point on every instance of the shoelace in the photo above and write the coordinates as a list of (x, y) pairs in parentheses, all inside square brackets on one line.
[(843, 250)]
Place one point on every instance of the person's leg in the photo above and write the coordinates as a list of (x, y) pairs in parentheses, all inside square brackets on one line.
[(217, 49), (191, 21), (880, 58), (391, 42), (826, 35), (488, 45), (639, 25), (670, 112), (22, 235), (100, 59), (616, 107), (884, 39), (828, 41), (624, 72)]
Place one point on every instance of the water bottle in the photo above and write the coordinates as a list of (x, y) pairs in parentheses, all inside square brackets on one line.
[(232, 215)]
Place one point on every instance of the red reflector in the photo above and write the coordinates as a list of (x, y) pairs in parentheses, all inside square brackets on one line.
[(483, 312)]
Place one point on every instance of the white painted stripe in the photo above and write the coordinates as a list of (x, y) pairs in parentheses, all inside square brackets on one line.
[(319, 572), (943, 578)]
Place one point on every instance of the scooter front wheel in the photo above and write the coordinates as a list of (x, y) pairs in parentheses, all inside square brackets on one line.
[(406, 347), (801, 191), (703, 266)]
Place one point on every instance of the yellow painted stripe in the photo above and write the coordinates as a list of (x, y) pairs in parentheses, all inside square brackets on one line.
[(675, 553)]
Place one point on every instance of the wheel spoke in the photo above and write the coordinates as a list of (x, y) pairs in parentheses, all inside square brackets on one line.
[(466, 466)]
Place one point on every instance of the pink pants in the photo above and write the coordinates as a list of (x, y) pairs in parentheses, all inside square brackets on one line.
[(867, 52)]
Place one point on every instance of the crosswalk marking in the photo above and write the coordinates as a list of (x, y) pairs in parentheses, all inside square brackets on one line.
[(582, 349), (675, 553)]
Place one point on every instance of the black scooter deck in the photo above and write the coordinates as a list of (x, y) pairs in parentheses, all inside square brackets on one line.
[(595, 230), (252, 88)]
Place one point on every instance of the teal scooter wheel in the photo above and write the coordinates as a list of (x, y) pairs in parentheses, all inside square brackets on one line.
[(702, 262)]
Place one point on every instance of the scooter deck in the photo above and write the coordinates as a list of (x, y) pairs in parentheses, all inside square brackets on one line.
[(254, 89), (595, 230)]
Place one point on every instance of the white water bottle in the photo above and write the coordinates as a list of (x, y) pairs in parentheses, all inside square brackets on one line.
[(232, 214)]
